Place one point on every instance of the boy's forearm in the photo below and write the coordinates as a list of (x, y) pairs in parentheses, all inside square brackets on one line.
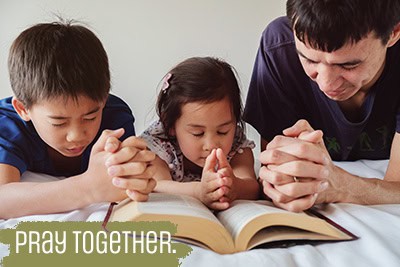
[(26, 198)]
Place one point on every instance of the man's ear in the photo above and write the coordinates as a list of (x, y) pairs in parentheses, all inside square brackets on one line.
[(394, 36), (20, 109)]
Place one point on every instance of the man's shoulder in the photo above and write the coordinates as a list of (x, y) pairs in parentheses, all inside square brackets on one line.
[(393, 54), (278, 34)]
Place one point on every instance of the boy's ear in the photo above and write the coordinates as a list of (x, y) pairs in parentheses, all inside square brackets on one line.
[(20, 109), (394, 36)]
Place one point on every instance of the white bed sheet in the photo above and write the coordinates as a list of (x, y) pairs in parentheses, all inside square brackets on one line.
[(378, 227)]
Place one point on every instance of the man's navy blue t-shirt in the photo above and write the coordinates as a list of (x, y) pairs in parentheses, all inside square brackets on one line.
[(21, 146), (281, 93)]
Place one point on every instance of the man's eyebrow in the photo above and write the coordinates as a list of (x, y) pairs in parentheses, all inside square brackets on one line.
[(301, 54), (86, 114), (348, 63)]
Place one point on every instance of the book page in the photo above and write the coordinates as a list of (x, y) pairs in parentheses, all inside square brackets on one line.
[(160, 203), (243, 211), (196, 223), (282, 233)]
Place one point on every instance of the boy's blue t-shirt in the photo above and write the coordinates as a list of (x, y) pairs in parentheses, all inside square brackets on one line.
[(21, 146), (281, 93)]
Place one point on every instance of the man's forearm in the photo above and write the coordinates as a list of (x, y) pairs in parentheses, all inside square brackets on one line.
[(360, 190)]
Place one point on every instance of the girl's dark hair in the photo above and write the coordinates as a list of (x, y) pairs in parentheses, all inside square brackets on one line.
[(198, 79), (327, 25), (58, 59)]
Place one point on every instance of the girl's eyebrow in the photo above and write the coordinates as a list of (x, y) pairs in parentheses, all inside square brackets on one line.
[(202, 126), (63, 117)]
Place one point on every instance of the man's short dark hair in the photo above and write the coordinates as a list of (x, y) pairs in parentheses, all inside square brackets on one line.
[(327, 25)]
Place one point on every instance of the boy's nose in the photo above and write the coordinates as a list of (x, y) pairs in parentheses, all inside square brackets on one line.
[(76, 135)]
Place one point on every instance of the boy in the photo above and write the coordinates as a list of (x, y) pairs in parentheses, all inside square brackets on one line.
[(331, 65), (62, 121)]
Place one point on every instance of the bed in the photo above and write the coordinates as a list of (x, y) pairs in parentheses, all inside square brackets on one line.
[(378, 227)]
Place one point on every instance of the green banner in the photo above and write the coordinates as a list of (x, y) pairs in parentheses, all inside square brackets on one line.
[(88, 244)]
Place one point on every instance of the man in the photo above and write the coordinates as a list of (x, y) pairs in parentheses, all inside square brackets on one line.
[(335, 66)]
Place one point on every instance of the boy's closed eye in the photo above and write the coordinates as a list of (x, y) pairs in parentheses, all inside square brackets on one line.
[(63, 123), (90, 118), (58, 124)]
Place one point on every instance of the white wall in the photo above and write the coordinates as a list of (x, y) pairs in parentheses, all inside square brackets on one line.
[(145, 38)]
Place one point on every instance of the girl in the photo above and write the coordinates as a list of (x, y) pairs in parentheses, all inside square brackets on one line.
[(199, 140)]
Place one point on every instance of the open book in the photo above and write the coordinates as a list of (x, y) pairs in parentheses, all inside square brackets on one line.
[(245, 225)]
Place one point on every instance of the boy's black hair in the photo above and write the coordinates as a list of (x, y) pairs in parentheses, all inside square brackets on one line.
[(57, 59), (327, 25)]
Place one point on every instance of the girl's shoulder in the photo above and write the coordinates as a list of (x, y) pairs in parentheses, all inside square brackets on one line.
[(240, 142)]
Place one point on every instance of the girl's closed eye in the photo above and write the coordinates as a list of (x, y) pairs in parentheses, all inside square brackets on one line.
[(200, 134), (222, 132)]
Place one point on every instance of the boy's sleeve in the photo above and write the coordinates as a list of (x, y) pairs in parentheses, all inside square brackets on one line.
[(13, 146), (9, 158), (118, 114)]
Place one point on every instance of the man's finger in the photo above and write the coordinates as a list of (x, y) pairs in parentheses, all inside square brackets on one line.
[(275, 156), (301, 150), (299, 204), (299, 127), (302, 168), (275, 178)]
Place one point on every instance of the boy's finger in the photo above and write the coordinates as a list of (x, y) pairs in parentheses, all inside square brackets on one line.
[(130, 154), (101, 142), (142, 195), (127, 169), (112, 144), (134, 141), (144, 156)]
